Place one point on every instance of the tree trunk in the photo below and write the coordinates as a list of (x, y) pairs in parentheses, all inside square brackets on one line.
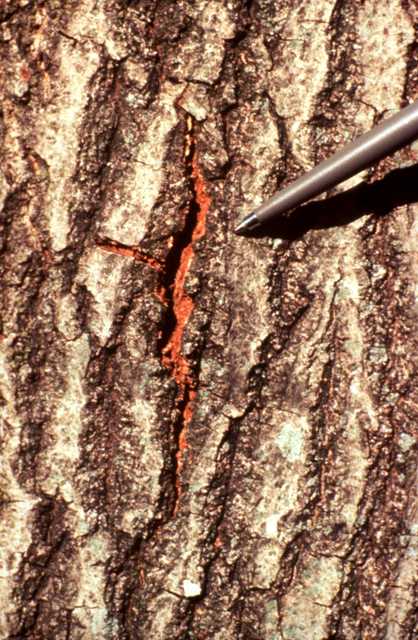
[(205, 436)]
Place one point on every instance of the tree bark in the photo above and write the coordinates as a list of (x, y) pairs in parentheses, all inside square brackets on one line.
[(204, 435)]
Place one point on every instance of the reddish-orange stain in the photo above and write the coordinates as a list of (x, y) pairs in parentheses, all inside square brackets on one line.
[(173, 357), (183, 307), (25, 73), (161, 295), (182, 303), (131, 252), (217, 542)]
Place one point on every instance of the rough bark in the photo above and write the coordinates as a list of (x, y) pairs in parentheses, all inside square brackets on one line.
[(205, 436)]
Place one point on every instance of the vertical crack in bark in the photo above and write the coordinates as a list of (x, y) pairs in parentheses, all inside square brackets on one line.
[(180, 304)]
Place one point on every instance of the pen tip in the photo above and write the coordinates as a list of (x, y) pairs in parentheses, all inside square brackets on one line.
[(249, 223), (240, 229)]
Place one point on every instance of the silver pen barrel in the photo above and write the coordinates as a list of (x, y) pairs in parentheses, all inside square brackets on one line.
[(388, 136)]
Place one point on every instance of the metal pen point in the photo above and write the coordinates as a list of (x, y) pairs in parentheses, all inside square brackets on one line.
[(249, 222), (388, 136)]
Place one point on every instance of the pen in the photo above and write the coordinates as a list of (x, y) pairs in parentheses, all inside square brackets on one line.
[(388, 136)]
